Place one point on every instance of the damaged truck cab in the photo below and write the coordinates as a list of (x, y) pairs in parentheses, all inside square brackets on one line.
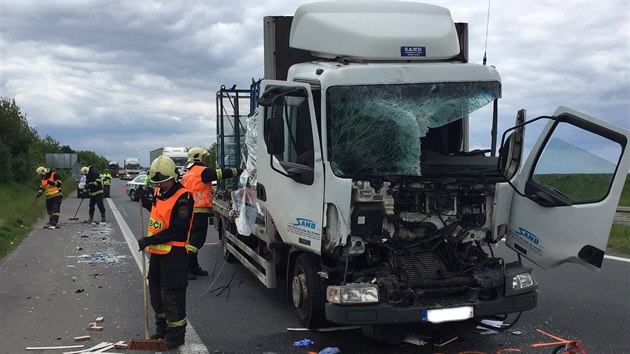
[(368, 193)]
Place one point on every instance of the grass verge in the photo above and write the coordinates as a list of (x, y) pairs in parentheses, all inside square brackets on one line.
[(15, 200), (619, 240)]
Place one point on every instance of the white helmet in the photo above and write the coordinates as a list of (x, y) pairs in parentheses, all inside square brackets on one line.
[(85, 170), (162, 169), (197, 154), (41, 170)]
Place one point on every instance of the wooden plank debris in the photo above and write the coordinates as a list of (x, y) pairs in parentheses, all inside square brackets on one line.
[(81, 338), (96, 347), (95, 328), (100, 319), (56, 348), (120, 345)]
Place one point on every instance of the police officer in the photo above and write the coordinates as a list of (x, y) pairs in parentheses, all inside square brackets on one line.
[(51, 184), (198, 179), (167, 238), (94, 186), (107, 181)]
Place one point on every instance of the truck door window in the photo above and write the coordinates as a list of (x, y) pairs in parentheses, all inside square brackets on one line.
[(577, 164), (294, 110)]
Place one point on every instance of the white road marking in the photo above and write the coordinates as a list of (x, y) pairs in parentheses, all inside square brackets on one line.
[(193, 342), (615, 258)]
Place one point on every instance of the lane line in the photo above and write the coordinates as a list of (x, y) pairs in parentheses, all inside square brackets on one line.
[(615, 258), (193, 342)]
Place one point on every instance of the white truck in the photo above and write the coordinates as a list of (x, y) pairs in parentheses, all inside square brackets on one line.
[(131, 168), (178, 154), (366, 191)]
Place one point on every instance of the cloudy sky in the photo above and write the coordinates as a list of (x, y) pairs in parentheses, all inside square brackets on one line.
[(124, 77)]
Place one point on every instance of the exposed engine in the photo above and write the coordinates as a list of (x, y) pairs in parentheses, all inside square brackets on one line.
[(422, 239)]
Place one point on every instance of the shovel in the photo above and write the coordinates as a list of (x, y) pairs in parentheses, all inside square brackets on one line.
[(20, 221)]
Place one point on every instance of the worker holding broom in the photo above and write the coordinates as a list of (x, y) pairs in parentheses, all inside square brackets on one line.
[(198, 179), (166, 241), (51, 184)]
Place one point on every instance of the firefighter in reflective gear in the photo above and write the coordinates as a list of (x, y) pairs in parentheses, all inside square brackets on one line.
[(167, 238), (51, 185), (94, 186), (198, 179), (107, 181)]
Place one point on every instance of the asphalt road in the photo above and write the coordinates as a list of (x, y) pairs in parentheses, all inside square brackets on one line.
[(58, 281)]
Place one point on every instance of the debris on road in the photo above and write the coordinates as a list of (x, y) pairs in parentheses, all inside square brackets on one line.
[(330, 350), (81, 338), (56, 348), (303, 343), (415, 340), (445, 341)]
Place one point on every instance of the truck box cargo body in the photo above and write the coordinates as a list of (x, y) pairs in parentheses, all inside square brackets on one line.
[(179, 155), (366, 190)]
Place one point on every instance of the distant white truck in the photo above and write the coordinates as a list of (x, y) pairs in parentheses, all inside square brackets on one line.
[(131, 168), (369, 196), (178, 154)]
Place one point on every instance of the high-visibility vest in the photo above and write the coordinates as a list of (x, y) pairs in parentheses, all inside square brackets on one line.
[(160, 219), (49, 185), (202, 192), (107, 179)]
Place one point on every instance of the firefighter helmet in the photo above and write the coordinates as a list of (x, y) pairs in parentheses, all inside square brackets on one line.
[(197, 154), (41, 170), (162, 169), (85, 170)]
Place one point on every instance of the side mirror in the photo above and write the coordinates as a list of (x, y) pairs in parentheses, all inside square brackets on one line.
[(511, 151), (274, 135)]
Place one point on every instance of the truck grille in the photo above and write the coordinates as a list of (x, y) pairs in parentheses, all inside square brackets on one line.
[(421, 266)]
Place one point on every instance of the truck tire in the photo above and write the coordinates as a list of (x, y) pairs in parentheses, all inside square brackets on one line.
[(229, 257), (308, 291)]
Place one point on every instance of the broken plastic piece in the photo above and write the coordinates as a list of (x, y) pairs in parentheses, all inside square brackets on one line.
[(303, 343), (330, 350)]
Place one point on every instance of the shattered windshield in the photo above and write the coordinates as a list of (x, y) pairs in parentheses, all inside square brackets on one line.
[(375, 130)]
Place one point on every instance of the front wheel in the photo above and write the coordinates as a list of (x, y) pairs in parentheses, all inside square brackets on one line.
[(132, 195), (308, 291)]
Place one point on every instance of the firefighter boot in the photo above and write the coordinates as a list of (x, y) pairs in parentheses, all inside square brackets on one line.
[(103, 217), (193, 266), (160, 327), (54, 220), (175, 336), (49, 223), (91, 219)]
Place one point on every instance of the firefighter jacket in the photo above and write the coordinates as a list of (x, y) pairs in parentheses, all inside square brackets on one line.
[(51, 184), (94, 183), (198, 179), (171, 219), (107, 178)]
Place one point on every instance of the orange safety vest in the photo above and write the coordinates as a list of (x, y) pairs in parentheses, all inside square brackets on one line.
[(50, 187), (160, 219), (202, 192)]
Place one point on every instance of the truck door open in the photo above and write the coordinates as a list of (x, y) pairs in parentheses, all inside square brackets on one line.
[(568, 191), (290, 168)]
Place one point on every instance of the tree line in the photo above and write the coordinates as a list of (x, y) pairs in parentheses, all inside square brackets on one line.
[(22, 150)]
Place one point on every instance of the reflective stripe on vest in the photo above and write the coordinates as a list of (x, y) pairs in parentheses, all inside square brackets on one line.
[(160, 219), (50, 187), (202, 192)]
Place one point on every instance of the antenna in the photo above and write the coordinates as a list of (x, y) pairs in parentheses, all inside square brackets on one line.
[(485, 48)]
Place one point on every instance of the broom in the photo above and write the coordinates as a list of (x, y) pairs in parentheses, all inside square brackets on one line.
[(76, 212), (157, 345)]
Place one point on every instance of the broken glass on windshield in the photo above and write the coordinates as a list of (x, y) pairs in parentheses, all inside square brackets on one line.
[(375, 130)]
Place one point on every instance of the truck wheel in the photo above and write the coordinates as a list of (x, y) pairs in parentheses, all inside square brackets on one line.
[(229, 257), (308, 291)]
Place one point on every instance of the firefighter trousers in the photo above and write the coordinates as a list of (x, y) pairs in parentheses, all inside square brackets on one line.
[(198, 234)]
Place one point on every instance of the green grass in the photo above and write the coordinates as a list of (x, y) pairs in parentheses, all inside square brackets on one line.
[(625, 194), (619, 240), (15, 200)]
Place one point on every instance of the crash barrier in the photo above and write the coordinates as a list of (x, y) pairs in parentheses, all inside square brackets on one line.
[(622, 216)]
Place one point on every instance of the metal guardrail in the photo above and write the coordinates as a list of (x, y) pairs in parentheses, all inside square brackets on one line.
[(622, 216)]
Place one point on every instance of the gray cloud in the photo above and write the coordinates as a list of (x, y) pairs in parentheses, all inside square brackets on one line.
[(124, 77)]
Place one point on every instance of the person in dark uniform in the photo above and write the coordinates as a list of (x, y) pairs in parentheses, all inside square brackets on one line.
[(94, 186), (51, 184), (198, 179), (166, 241)]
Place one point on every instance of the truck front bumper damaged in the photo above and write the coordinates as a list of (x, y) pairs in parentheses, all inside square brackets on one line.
[(387, 314)]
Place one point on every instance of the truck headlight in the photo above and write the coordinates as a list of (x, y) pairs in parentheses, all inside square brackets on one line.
[(523, 280), (352, 294)]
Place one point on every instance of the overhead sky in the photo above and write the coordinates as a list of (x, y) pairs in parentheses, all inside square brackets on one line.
[(121, 78)]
